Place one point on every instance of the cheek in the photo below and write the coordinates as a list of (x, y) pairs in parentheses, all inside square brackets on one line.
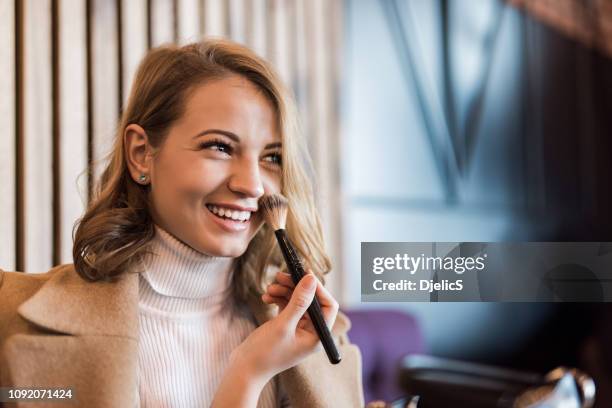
[(191, 177), (176, 186), (192, 172), (272, 184)]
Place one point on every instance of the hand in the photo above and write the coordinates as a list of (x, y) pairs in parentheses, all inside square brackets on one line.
[(290, 337), (279, 293)]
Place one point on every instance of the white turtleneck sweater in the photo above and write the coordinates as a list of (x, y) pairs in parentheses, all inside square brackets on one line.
[(186, 335)]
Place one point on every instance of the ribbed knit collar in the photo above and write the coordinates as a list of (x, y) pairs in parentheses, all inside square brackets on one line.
[(176, 278)]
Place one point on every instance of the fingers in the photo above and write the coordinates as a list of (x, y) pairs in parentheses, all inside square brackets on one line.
[(283, 288), (278, 290), (329, 305), (280, 302), (285, 279), (277, 294), (301, 298)]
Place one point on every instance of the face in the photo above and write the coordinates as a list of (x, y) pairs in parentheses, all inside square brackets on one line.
[(214, 165)]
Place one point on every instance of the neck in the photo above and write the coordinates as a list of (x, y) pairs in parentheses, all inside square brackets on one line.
[(177, 278)]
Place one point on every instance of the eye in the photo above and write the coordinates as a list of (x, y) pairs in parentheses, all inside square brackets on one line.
[(275, 158), (217, 145)]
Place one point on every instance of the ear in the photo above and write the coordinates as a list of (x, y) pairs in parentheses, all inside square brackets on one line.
[(137, 153)]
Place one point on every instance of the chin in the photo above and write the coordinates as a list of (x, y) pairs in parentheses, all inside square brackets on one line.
[(227, 251)]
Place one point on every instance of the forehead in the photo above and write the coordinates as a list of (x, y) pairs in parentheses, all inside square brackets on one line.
[(234, 104)]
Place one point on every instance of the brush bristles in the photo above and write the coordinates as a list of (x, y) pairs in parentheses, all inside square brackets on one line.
[(274, 208)]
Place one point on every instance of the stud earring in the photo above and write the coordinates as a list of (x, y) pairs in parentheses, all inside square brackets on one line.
[(142, 178)]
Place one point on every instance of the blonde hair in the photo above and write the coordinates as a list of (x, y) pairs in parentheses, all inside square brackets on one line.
[(113, 234)]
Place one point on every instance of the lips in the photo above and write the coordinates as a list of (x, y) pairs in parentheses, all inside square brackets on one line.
[(229, 213), (229, 224)]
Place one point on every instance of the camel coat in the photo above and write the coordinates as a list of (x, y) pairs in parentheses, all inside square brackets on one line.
[(57, 330)]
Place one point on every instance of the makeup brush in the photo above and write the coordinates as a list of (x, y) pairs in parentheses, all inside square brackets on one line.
[(275, 208)]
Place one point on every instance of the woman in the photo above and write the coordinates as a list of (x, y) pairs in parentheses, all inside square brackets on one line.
[(164, 304)]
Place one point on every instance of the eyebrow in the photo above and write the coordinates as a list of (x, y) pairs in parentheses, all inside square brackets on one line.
[(233, 136)]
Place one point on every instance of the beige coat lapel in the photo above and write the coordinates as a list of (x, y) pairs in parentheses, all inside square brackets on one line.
[(86, 339)]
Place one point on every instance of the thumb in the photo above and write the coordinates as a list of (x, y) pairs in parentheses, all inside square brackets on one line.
[(300, 299)]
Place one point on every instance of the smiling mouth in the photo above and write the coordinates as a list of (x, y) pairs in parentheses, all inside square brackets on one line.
[(230, 215)]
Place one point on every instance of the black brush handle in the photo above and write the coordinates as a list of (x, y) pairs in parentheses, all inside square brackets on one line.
[(314, 310)]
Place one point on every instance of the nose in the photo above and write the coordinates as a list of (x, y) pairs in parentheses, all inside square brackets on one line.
[(246, 179)]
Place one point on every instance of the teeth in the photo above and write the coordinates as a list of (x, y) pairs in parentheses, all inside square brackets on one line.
[(227, 213)]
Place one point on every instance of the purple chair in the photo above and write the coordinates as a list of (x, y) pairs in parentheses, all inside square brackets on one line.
[(384, 337)]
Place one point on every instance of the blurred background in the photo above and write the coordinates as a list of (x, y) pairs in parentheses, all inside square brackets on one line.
[(427, 120)]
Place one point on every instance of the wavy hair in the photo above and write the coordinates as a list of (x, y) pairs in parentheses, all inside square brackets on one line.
[(113, 235)]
